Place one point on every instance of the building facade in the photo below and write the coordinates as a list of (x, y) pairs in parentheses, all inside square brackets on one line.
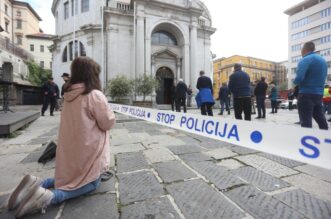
[(309, 20), (281, 77), (39, 45), (256, 68), (169, 39)]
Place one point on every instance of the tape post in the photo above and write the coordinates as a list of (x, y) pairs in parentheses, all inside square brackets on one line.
[(305, 145)]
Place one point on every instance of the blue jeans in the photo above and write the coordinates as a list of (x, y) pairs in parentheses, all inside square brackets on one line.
[(309, 107), (260, 102), (62, 195), (226, 103)]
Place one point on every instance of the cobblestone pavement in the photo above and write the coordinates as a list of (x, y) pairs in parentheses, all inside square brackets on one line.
[(164, 173)]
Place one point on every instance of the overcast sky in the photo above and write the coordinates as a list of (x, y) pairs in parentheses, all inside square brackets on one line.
[(257, 28)]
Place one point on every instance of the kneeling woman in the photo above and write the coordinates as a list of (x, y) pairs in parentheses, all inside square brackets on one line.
[(82, 154)]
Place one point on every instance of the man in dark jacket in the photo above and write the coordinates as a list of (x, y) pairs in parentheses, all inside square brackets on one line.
[(66, 78), (181, 90), (205, 98), (260, 94), (239, 85), (51, 93), (223, 96)]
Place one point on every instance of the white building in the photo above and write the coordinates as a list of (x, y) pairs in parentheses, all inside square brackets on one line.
[(39, 47), (309, 20), (166, 38)]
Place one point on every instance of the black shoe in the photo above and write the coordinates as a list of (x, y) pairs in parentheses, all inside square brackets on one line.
[(52, 114), (42, 114), (259, 117), (271, 112), (263, 117), (329, 120), (297, 123)]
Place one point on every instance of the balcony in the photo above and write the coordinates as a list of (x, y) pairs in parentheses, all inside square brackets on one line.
[(120, 6), (6, 45)]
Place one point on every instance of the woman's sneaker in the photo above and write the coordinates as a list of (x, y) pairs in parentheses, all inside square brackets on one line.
[(38, 199), (27, 183)]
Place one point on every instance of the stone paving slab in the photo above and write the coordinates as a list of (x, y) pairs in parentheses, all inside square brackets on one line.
[(33, 156), (173, 171), (198, 200), (97, 206), (188, 140), (261, 205), (131, 138), (152, 208), (185, 149), (317, 172), (6, 150), (281, 160), (241, 150), (312, 185), (157, 155), (158, 141), (213, 145), (220, 153), (218, 175), (261, 180), (107, 186), (128, 162), (4, 201), (266, 165), (306, 204), (51, 213), (195, 157), (138, 186), (126, 148), (230, 164)]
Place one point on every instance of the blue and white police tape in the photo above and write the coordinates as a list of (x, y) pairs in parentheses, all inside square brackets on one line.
[(301, 144)]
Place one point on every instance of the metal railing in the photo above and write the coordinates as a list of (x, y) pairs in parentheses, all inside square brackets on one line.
[(119, 6), (6, 45)]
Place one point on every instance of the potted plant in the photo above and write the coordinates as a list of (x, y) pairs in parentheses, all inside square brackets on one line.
[(119, 89), (144, 86)]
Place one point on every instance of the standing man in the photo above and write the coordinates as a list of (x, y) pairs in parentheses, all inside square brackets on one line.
[(223, 96), (181, 90), (253, 98), (310, 77), (260, 94), (239, 85), (51, 93), (273, 98), (290, 98), (189, 96), (205, 98), (327, 100), (66, 78)]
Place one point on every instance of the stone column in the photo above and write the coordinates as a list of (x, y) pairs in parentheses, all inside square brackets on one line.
[(179, 66), (194, 43), (153, 66), (148, 64), (140, 45), (186, 63)]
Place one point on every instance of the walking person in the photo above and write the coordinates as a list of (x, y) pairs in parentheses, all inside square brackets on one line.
[(189, 96), (51, 94), (310, 77), (223, 96), (260, 94), (253, 98), (239, 85), (205, 98), (181, 90), (273, 98), (66, 79), (290, 98), (82, 153)]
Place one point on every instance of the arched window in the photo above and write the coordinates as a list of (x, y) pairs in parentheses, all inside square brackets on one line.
[(164, 38), (82, 49), (65, 54)]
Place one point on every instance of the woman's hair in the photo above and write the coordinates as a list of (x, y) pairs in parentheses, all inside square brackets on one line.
[(85, 70)]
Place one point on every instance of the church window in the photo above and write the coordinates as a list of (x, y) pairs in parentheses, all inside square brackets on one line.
[(82, 49), (65, 55), (66, 10), (164, 38), (85, 5)]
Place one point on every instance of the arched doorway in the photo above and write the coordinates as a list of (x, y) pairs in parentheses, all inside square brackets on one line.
[(166, 79)]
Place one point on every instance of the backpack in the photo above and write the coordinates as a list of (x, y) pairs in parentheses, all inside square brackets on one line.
[(48, 154)]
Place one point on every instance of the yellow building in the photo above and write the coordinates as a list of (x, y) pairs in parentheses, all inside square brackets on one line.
[(256, 68)]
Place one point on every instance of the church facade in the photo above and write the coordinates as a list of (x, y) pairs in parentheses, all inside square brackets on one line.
[(169, 39)]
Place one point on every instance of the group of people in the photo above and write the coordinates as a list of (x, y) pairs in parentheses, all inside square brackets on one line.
[(51, 94)]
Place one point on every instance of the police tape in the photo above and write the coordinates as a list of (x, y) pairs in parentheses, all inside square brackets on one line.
[(309, 146)]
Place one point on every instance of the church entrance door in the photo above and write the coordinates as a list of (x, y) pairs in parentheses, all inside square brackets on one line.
[(166, 79)]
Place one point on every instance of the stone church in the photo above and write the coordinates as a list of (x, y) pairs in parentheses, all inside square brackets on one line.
[(169, 39)]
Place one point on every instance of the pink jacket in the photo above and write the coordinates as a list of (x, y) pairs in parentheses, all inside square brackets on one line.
[(83, 143)]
